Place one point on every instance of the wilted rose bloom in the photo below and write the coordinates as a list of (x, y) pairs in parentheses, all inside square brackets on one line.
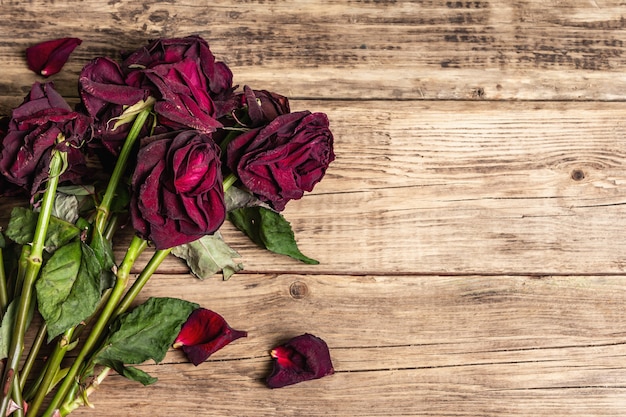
[(300, 359), (182, 93), (6, 188), (186, 78), (47, 58), (280, 161), (34, 130), (104, 94), (177, 189), (204, 333), (169, 51)]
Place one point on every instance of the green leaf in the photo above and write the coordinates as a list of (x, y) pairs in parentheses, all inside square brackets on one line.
[(77, 190), (6, 328), (146, 332), (103, 251), (121, 200), (130, 372), (270, 230), (68, 290), (65, 207), (3, 243), (237, 198), (8, 322), (22, 226), (209, 255)]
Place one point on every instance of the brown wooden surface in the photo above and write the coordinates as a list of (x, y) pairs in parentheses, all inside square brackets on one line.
[(470, 232)]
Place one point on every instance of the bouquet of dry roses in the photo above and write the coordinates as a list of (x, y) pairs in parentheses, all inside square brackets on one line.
[(178, 150)]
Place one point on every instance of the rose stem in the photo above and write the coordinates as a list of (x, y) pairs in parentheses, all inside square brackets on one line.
[(52, 368), (229, 181), (118, 171), (32, 354), (83, 400), (34, 261), (4, 294), (139, 283), (137, 246)]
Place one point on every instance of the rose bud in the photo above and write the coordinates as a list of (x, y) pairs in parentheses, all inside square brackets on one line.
[(280, 161), (47, 58), (261, 106), (34, 130), (177, 192), (302, 358), (204, 333)]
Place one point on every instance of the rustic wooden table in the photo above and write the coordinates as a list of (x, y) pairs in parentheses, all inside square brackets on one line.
[(470, 232)]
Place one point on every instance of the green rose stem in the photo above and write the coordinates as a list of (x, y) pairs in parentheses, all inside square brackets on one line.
[(229, 181), (136, 247), (158, 257), (33, 264), (4, 293), (118, 171), (32, 354), (52, 368)]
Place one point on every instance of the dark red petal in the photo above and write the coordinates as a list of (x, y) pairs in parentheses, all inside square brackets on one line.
[(47, 58), (204, 333), (300, 359)]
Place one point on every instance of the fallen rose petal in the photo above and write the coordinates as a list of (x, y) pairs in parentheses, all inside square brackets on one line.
[(47, 58), (300, 359), (204, 333)]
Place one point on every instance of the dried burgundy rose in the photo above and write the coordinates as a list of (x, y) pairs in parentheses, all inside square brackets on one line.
[(177, 188), (182, 93), (184, 78), (104, 95), (35, 128), (204, 333), (280, 161), (7, 188), (300, 359), (169, 51), (47, 58)]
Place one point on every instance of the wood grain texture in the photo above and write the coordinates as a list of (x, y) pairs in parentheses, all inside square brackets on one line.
[(437, 49), (470, 231), (421, 346)]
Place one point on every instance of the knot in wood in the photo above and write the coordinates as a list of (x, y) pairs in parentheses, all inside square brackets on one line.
[(298, 290), (577, 175)]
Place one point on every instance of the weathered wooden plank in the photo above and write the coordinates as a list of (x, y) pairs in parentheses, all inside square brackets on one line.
[(461, 187), (437, 49), (401, 345)]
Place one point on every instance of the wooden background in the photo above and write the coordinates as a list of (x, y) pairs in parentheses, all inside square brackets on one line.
[(470, 232)]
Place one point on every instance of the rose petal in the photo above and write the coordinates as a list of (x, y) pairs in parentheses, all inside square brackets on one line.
[(300, 359), (204, 333), (47, 58)]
